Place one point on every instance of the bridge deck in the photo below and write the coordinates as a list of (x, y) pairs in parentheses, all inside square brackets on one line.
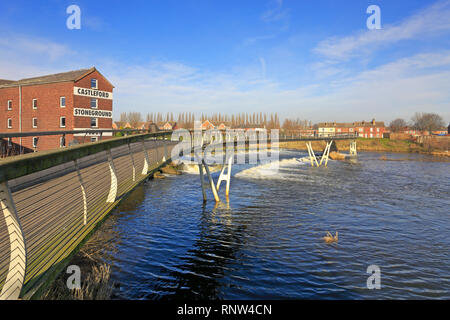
[(51, 209)]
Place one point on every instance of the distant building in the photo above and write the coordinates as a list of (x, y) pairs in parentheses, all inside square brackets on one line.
[(168, 125), (117, 125), (207, 125), (363, 129)]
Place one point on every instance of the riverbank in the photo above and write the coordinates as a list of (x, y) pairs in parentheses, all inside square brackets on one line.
[(372, 145)]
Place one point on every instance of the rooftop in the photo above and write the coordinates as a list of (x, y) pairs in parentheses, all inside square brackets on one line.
[(51, 78)]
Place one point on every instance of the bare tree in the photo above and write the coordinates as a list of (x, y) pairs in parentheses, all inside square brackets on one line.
[(397, 125), (427, 121), (123, 117), (134, 118)]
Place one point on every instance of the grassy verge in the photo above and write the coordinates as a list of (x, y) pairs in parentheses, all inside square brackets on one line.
[(375, 145)]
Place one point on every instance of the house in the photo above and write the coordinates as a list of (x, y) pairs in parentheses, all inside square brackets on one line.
[(117, 125), (207, 125), (168, 125), (371, 129)]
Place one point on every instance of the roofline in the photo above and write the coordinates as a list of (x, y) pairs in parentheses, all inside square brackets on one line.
[(15, 84), (89, 72), (12, 85)]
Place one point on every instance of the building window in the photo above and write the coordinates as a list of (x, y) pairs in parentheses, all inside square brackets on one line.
[(371, 129), (9, 142), (35, 104), (94, 122), (35, 142), (9, 123), (360, 130), (94, 103), (62, 122), (9, 105), (62, 102), (62, 142), (34, 122), (378, 129), (93, 139), (351, 129), (94, 83)]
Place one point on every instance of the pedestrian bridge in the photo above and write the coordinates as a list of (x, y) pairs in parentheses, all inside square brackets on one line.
[(52, 201)]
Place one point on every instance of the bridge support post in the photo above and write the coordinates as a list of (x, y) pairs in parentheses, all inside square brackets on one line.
[(113, 189), (211, 182), (18, 258), (326, 153), (132, 161), (146, 160), (83, 191), (202, 181), (312, 155), (353, 148), (226, 177)]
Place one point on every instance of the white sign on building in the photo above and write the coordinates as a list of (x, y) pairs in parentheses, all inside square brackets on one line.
[(93, 113), (93, 93)]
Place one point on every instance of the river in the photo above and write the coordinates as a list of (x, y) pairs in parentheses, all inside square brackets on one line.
[(266, 242)]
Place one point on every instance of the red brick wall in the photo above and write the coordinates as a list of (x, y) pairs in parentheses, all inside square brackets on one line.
[(48, 110), (85, 102)]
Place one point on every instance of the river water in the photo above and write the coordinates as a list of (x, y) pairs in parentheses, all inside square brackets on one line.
[(266, 242)]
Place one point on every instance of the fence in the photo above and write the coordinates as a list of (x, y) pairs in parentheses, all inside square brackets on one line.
[(51, 201)]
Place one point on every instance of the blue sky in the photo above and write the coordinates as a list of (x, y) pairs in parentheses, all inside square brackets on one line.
[(314, 60)]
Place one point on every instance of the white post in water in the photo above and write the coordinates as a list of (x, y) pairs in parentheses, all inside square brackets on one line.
[(18, 258), (312, 155), (202, 181), (211, 182), (353, 148), (226, 177), (326, 153)]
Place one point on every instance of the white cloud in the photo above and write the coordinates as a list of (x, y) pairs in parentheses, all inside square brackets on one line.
[(276, 13), (22, 56), (400, 88), (430, 21)]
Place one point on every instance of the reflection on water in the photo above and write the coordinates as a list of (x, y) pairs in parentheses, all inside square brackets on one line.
[(162, 243)]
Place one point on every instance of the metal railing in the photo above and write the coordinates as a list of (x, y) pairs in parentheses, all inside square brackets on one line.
[(8, 148), (51, 201)]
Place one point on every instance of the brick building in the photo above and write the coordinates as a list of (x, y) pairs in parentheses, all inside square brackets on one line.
[(364, 129), (75, 100)]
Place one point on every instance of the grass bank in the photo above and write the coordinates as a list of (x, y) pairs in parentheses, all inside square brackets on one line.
[(375, 145)]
